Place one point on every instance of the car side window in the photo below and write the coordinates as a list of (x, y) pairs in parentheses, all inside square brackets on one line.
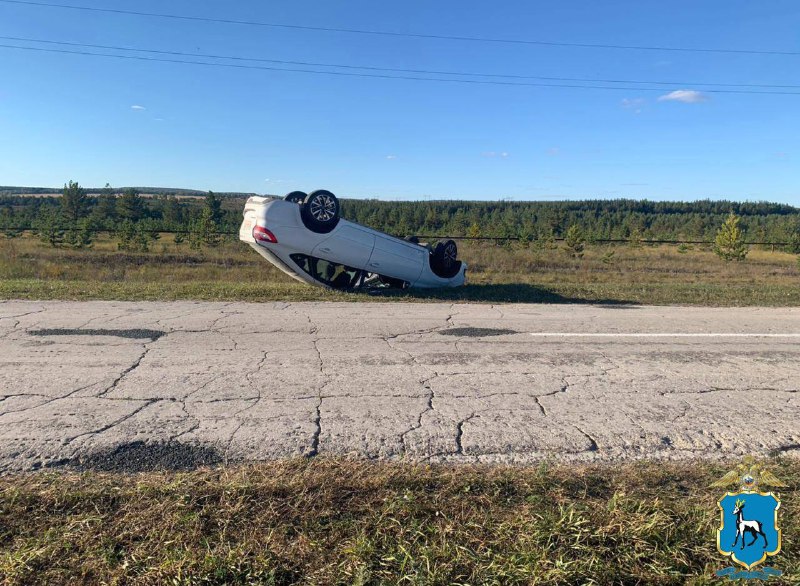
[(334, 275)]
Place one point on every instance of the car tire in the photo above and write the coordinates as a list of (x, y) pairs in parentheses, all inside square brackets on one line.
[(320, 211), (444, 259), (296, 196)]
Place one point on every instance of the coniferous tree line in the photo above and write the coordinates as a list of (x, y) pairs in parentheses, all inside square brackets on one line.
[(74, 217)]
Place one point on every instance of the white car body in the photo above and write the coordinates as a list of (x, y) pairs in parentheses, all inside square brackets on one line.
[(297, 249)]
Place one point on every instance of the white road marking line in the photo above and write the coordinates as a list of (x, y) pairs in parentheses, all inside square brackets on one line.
[(658, 335)]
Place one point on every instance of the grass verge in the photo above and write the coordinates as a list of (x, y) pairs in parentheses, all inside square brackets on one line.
[(600, 293), (343, 522), (497, 274)]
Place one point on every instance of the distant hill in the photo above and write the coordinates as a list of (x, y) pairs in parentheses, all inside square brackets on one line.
[(178, 192)]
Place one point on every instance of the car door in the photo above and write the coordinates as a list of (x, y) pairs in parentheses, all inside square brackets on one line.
[(396, 258), (347, 244)]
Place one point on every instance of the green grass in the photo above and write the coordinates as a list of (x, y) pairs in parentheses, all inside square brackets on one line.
[(342, 522), (233, 272), (656, 294)]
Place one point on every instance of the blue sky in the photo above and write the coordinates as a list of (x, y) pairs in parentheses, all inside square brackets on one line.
[(125, 122)]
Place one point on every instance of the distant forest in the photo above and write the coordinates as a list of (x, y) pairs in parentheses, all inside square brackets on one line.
[(107, 209), (16, 190)]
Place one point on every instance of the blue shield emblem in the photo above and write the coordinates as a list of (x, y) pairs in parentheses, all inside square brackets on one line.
[(748, 530)]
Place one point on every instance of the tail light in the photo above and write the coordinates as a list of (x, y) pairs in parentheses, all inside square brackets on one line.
[(261, 234)]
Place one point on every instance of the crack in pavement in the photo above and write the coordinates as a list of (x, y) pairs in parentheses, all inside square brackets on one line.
[(593, 446), (426, 384), (430, 396), (17, 315), (498, 310), (460, 433), (14, 327), (127, 371), (215, 323), (253, 387), (614, 365), (50, 398), (314, 450), (195, 426), (564, 388), (113, 423), (686, 408)]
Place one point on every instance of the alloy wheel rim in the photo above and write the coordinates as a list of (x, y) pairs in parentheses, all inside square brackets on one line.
[(449, 255), (323, 208)]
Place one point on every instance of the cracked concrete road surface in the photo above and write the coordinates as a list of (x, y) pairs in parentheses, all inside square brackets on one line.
[(418, 381)]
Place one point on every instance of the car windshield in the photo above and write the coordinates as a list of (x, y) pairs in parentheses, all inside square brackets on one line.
[(333, 274)]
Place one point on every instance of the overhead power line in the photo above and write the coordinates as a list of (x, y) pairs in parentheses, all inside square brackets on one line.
[(405, 35), (397, 70), (384, 76)]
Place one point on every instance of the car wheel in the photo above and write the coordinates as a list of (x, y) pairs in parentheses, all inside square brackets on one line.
[(320, 211), (296, 196), (444, 259)]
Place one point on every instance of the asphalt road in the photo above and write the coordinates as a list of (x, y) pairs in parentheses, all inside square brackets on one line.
[(114, 385)]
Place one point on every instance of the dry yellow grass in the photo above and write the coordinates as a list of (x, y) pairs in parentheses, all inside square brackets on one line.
[(618, 274), (342, 522)]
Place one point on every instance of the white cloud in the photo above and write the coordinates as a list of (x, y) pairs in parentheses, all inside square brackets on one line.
[(634, 104), (391, 157), (685, 96), (493, 154), (138, 107)]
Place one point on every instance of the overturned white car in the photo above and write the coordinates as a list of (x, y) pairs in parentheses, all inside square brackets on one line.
[(304, 237)]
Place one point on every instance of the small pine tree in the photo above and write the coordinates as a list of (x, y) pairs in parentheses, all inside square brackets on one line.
[(574, 241), (214, 205), (608, 257), (132, 237), (82, 235), (73, 203), (526, 236), (48, 226), (130, 206), (126, 232), (729, 242), (172, 213), (105, 210), (635, 238), (204, 230), (474, 231), (794, 243), (545, 240)]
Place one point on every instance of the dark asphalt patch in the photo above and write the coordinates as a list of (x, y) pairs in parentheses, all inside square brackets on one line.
[(477, 332), (142, 457), (136, 334)]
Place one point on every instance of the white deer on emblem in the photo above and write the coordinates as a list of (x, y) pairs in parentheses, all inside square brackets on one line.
[(743, 527)]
